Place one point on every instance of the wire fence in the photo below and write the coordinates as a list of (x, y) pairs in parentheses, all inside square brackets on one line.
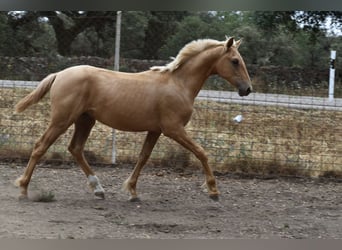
[(265, 133)]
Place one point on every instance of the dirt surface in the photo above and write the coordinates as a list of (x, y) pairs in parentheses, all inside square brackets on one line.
[(173, 205)]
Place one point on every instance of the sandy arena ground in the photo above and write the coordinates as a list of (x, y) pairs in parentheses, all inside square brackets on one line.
[(173, 205)]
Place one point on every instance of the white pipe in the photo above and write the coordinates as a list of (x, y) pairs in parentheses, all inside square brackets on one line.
[(116, 68), (332, 75)]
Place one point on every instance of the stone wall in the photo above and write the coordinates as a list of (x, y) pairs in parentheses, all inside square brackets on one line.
[(267, 79), (35, 68)]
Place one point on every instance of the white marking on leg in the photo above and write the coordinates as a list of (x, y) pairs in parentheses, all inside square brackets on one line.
[(125, 185), (95, 184), (17, 181), (204, 186)]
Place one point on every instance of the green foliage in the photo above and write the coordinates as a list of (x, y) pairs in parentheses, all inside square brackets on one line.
[(5, 33), (280, 38), (190, 29), (311, 53), (214, 25), (134, 24), (161, 25), (269, 21), (27, 36)]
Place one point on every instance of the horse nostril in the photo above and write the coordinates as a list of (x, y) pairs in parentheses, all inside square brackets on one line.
[(248, 91)]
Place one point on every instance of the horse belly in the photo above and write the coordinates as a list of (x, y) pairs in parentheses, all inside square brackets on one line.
[(126, 120)]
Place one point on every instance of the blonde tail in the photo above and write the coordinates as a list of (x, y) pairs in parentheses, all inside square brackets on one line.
[(37, 94)]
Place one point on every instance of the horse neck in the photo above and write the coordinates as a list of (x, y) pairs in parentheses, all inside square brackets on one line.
[(196, 71)]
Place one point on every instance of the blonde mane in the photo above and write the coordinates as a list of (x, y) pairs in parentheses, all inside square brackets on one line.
[(188, 51)]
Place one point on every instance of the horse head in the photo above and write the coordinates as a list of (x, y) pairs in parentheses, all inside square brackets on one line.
[(232, 68)]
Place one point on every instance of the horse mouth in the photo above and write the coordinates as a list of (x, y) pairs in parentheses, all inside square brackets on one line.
[(245, 92)]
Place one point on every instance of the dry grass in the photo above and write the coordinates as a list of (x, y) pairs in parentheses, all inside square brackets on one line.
[(270, 140), (43, 196), (273, 139)]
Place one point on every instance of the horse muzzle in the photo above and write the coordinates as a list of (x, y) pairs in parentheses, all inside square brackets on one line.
[(245, 91)]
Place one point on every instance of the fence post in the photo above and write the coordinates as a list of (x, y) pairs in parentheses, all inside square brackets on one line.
[(332, 75), (116, 68)]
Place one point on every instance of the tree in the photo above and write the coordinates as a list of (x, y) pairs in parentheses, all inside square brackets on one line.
[(133, 28), (161, 25), (190, 29), (4, 31), (196, 26), (69, 24), (22, 33), (292, 37), (269, 21), (315, 20)]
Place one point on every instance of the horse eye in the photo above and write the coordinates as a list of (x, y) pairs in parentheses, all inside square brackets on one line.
[(235, 61)]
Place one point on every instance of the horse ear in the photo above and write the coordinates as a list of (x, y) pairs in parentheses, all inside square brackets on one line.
[(237, 43), (230, 42)]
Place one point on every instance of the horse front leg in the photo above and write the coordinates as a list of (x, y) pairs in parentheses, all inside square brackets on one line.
[(131, 183), (180, 136)]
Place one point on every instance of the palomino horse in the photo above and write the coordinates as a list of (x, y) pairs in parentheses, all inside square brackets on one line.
[(159, 100)]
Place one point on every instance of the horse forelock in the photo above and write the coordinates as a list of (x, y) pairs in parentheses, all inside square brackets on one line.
[(189, 50)]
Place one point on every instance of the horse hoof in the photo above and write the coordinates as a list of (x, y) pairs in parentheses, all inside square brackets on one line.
[(23, 197), (100, 195), (134, 199), (214, 197)]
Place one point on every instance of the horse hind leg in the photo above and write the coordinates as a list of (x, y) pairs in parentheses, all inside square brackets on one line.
[(83, 126), (41, 146)]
